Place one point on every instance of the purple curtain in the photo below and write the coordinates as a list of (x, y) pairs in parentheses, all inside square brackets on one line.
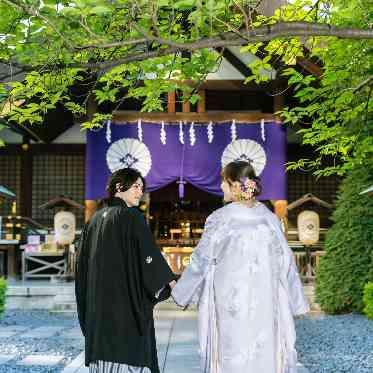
[(163, 157)]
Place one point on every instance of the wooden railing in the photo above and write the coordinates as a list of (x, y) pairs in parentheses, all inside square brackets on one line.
[(307, 263), (307, 259)]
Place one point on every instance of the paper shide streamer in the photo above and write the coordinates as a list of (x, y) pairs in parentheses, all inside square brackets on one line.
[(234, 130), (210, 132), (163, 134), (181, 133), (139, 130), (192, 134), (108, 131)]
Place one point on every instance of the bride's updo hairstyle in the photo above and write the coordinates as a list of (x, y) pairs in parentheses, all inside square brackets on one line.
[(243, 173)]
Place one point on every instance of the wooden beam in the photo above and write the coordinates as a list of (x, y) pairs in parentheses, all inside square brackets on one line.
[(171, 102), (309, 66), (236, 62), (201, 104), (214, 116)]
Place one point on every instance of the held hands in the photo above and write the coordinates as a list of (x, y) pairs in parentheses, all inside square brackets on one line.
[(172, 284)]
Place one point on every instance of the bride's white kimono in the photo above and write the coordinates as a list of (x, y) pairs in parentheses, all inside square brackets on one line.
[(244, 279)]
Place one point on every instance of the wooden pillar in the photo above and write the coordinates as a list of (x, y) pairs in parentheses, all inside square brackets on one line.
[(281, 208), (186, 105), (171, 102), (201, 104), (90, 205), (26, 180), (90, 208), (282, 212), (278, 102)]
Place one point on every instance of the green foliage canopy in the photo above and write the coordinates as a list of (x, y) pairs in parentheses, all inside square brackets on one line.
[(335, 113), (144, 49)]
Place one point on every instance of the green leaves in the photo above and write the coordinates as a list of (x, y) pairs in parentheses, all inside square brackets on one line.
[(105, 38), (184, 4), (368, 300), (3, 289), (347, 265)]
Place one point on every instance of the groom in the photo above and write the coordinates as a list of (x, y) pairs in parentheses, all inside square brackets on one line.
[(120, 276)]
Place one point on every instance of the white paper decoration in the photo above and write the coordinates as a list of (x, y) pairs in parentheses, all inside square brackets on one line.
[(210, 132), (192, 134), (181, 133), (233, 130), (129, 153), (245, 150), (262, 130), (108, 131), (163, 134), (139, 130)]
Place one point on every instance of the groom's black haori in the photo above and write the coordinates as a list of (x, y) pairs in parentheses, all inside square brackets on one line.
[(119, 271)]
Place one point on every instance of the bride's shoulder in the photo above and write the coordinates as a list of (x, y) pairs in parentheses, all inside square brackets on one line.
[(218, 214)]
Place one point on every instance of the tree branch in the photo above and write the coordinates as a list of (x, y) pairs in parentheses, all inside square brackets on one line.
[(367, 81), (115, 44), (257, 34), (33, 12), (229, 39)]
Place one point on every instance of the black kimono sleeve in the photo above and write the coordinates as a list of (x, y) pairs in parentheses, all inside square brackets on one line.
[(155, 271), (81, 274)]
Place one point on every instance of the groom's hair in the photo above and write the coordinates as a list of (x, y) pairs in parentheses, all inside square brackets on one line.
[(124, 178), (238, 170)]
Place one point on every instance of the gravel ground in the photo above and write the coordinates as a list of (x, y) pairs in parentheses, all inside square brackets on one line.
[(55, 345), (336, 344)]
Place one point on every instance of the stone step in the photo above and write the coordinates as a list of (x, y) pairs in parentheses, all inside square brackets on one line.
[(65, 298), (29, 291), (64, 307)]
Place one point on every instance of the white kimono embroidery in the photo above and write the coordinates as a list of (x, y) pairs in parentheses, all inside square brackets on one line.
[(244, 279)]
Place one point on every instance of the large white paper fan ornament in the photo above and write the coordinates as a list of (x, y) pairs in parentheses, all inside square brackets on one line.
[(245, 150), (129, 153)]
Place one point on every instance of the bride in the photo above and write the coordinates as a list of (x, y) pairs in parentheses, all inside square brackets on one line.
[(244, 279)]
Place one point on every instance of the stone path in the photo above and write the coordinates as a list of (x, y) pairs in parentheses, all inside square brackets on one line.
[(177, 345), (176, 338)]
